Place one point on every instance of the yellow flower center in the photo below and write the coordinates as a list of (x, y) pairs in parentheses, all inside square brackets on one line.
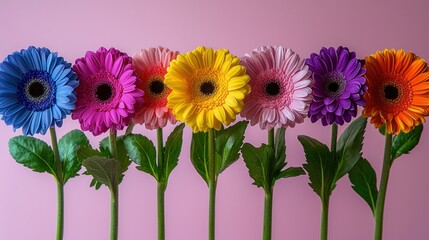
[(209, 88)]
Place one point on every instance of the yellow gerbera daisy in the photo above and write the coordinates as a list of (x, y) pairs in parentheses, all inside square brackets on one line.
[(398, 90), (207, 88)]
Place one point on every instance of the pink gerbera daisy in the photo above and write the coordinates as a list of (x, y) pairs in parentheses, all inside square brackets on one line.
[(281, 87), (151, 66), (107, 94)]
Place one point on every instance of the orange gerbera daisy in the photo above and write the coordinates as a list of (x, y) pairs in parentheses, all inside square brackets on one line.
[(398, 90)]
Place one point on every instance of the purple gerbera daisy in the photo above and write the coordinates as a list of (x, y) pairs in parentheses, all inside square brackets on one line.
[(339, 85)]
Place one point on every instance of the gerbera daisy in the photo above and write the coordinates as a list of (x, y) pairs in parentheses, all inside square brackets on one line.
[(107, 94), (151, 66), (208, 88), (36, 90), (281, 88), (339, 85), (398, 90)]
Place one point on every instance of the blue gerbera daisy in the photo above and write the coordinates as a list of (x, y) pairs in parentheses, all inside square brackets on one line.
[(36, 90)]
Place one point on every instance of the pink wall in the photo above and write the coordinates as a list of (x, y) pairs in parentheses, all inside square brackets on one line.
[(28, 200)]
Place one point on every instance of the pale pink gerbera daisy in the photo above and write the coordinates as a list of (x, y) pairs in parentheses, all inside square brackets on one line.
[(107, 94), (151, 66), (281, 87)]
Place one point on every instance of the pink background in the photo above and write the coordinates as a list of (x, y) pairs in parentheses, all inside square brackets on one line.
[(28, 199)]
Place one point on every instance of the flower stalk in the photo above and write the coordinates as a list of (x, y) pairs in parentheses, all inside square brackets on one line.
[(161, 187), (268, 215), (114, 210), (212, 184), (60, 185), (379, 207), (324, 220), (268, 202), (114, 192), (130, 128), (326, 195)]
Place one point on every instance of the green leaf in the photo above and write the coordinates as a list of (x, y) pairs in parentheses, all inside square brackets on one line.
[(86, 152), (33, 153), (124, 161), (403, 143), (258, 162), (266, 163), (349, 147), (172, 150), (142, 151), (68, 146), (320, 167), (364, 182), (228, 143), (104, 170), (94, 183), (105, 147), (291, 172), (199, 154)]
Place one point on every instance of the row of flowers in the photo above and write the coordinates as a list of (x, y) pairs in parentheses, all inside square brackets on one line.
[(272, 86), (207, 88)]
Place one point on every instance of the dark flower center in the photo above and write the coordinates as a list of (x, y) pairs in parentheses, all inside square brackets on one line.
[(333, 87), (207, 88), (36, 89), (104, 92), (272, 89), (156, 87), (334, 84), (391, 92)]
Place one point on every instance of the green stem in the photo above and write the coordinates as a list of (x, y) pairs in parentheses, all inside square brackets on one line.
[(161, 212), (114, 214), (56, 154), (379, 207), (268, 204), (60, 185), (324, 220), (114, 192), (326, 193), (112, 142), (60, 210), (129, 129), (334, 140), (212, 184), (271, 137), (268, 215), (161, 187)]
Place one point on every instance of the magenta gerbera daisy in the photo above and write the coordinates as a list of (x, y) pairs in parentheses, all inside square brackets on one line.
[(151, 66), (107, 95), (281, 87)]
